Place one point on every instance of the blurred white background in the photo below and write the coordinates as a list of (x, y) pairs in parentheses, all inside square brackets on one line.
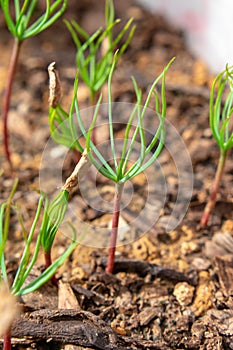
[(208, 26)]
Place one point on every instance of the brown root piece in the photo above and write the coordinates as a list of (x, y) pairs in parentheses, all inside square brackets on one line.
[(143, 268), (68, 327)]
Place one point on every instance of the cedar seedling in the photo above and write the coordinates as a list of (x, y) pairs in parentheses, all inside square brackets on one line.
[(22, 27), (28, 259), (122, 171), (220, 115)]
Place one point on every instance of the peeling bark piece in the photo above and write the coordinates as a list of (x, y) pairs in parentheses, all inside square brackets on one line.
[(54, 86), (82, 329), (68, 327)]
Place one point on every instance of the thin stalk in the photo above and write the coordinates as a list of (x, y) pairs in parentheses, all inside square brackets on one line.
[(93, 101), (115, 222), (7, 96), (48, 263), (7, 340), (215, 189), (93, 98)]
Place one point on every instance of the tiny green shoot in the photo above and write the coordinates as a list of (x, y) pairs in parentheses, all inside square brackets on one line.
[(93, 60), (220, 116), (54, 213), (95, 55), (20, 286), (22, 26)]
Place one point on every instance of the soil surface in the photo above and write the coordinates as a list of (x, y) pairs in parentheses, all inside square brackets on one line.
[(171, 289)]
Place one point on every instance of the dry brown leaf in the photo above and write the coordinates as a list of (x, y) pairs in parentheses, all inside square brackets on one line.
[(9, 308)]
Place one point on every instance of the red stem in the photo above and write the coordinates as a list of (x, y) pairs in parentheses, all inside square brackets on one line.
[(7, 96), (115, 222), (215, 189), (7, 340), (48, 262)]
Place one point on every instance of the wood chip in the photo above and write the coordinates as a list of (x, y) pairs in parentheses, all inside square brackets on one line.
[(66, 297), (147, 315)]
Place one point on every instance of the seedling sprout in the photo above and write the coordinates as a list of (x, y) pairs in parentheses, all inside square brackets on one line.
[(221, 112), (20, 287), (94, 59), (122, 171), (21, 27)]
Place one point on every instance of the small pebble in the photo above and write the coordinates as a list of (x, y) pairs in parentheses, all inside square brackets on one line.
[(189, 248), (183, 293)]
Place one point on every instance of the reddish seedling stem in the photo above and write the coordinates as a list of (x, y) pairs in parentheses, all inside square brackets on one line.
[(7, 340), (7, 96), (215, 189), (48, 262), (115, 222)]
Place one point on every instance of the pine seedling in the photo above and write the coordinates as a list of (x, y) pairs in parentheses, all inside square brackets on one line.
[(122, 171), (95, 55), (22, 27), (220, 116), (28, 259), (93, 60), (54, 213)]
